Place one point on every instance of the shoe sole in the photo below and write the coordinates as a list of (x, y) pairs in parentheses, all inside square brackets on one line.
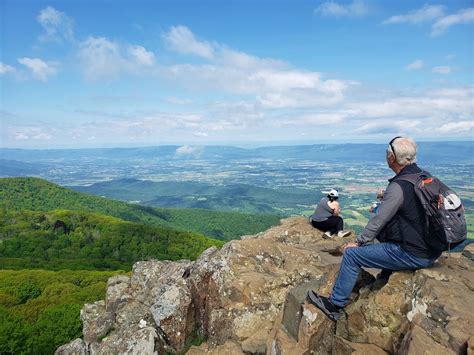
[(345, 234), (318, 303)]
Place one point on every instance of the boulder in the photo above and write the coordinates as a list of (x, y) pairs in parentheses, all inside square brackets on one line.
[(239, 290), (418, 341), (173, 313), (470, 346), (378, 318), (116, 292), (249, 297), (342, 346), (293, 309), (468, 252), (443, 295), (97, 323), (229, 347), (132, 340), (151, 310), (304, 326), (75, 347)]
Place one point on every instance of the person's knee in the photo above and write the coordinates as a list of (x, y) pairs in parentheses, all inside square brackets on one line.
[(349, 252)]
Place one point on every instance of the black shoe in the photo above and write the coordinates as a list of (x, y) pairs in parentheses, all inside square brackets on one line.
[(332, 311)]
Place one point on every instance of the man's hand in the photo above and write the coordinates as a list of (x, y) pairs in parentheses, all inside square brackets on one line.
[(350, 245)]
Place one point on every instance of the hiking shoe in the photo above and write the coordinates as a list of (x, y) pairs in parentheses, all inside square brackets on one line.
[(332, 311), (342, 234), (327, 235)]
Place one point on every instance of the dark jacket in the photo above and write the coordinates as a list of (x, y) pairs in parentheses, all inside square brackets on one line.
[(401, 219)]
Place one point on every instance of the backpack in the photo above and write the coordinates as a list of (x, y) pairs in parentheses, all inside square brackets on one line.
[(443, 208)]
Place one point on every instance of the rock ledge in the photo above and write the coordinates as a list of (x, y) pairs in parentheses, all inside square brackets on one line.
[(248, 298)]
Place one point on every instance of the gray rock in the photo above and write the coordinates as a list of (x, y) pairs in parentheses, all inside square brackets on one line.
[(117, 292), (292, 311), (75, 347), (468, 252), (97, 323)]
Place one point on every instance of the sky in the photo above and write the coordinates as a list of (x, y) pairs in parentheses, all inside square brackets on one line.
[(82, 73)]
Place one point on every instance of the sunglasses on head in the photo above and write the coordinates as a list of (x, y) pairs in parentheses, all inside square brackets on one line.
[(391, 146)]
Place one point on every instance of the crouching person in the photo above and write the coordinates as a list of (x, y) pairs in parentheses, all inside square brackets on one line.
[(398, 225), (326, 217)]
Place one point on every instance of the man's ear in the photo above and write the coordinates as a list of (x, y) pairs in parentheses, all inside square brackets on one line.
[(390, 159)]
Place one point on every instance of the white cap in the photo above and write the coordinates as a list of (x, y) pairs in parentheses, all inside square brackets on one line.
[(333, 193)]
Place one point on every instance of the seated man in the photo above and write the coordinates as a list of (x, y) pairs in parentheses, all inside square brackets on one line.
[(398, 225)]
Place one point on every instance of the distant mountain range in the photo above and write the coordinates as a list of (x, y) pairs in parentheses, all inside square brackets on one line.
[(19, 168), (428, 153)]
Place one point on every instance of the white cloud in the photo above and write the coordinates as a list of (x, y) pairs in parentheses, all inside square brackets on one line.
[(445, 104), (274, 83), (267, 95), (403, 127), (415, 65), (101, 58), (5, 69), (441, 70), (457, 127), (274, 87), (40, 70), (464, 16), (426, 14), (182, 40), (318, 118), (56, 24), (25, 133), (187, 150), (444, 111), (142, 56), (436, 14), (356, 8), (178, 101)]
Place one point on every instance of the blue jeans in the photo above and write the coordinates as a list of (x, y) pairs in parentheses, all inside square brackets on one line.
[(386, 256)]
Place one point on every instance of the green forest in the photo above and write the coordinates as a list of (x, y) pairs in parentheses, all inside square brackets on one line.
[(39, 309), (104, 242), (58, 247), (36, 194)]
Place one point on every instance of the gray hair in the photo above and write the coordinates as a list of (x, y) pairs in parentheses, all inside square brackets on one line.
[(404, 150)]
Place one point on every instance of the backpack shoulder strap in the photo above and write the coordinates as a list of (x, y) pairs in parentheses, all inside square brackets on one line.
[(414, 178)]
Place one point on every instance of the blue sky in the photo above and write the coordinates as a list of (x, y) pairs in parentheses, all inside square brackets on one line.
[(132, 73)]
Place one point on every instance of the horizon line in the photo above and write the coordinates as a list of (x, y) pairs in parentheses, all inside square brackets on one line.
[(244, 145)]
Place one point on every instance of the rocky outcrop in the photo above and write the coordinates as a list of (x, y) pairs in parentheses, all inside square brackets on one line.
[(249, 298)]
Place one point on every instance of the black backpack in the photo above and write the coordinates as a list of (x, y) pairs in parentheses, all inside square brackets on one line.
[(443, 208)]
